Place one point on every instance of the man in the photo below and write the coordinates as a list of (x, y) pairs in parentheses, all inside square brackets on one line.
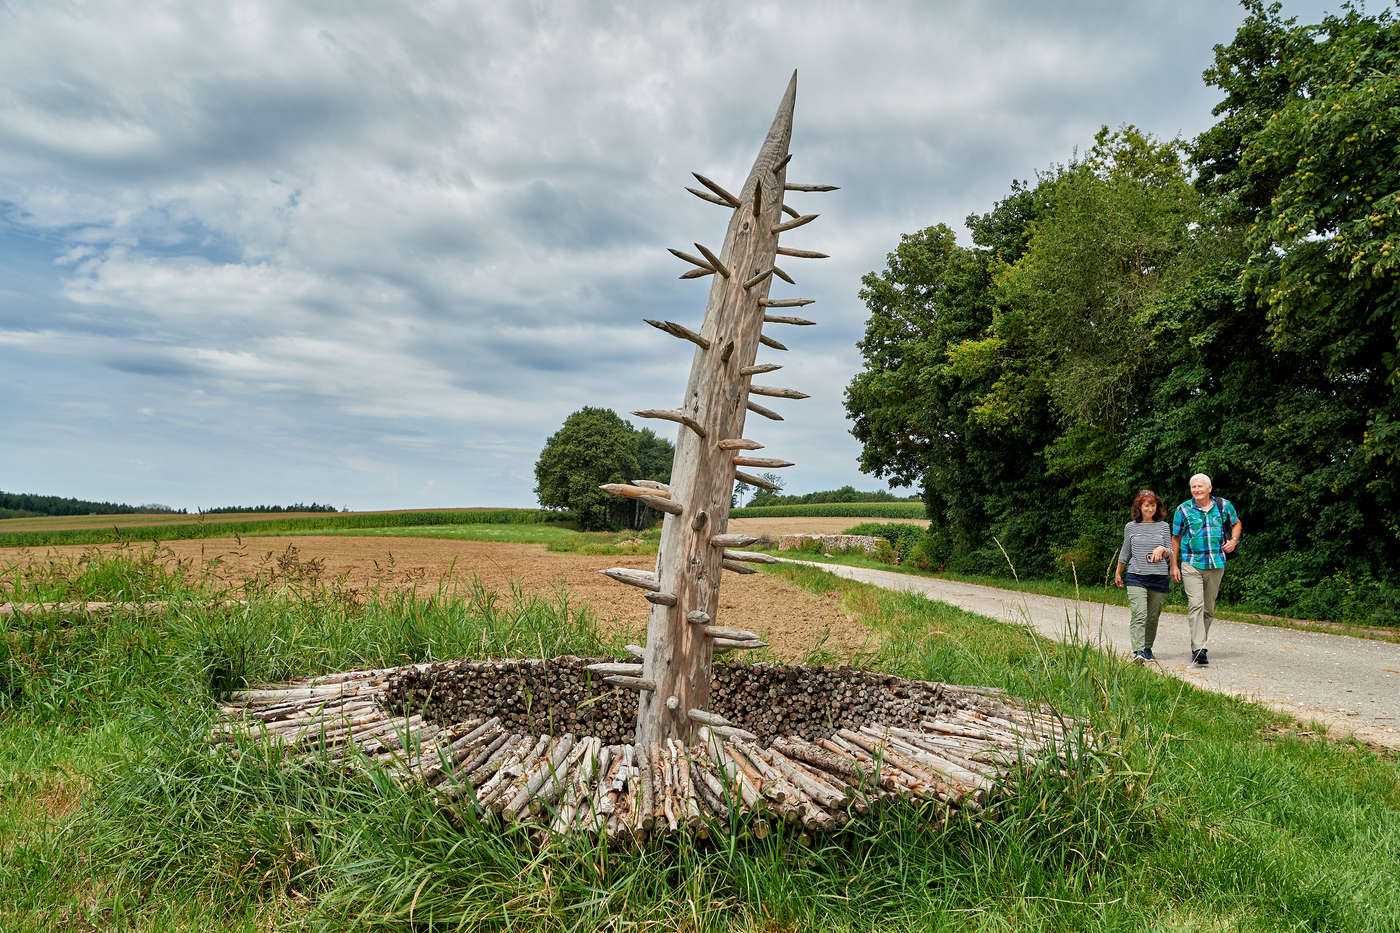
[(1204, 529)]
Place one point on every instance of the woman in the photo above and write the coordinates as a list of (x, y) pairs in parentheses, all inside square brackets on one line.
[(1146, 546)]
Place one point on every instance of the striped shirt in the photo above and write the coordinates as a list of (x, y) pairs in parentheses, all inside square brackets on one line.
[(1202, 532), (1140, 539)]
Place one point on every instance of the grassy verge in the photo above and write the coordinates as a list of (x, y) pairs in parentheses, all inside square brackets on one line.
[(318, 524), (1197, 811)]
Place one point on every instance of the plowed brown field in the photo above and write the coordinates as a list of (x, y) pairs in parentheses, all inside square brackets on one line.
[(791, 619)]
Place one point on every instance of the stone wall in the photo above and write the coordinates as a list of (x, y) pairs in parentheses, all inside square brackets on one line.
[(829, 543)]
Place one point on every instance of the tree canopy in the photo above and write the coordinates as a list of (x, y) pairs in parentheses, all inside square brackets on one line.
[(595, 446), (1155, 308)]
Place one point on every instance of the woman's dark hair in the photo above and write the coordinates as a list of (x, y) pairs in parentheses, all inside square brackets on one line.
[(1147, 495)]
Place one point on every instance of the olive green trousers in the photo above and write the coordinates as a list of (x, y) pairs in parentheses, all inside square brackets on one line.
[(1147, 609)]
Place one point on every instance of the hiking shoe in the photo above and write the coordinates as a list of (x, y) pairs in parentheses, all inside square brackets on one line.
[(1139, 657), (1199, 657), (1147, 654)]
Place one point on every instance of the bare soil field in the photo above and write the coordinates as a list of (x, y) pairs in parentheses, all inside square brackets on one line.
[(792, 620)]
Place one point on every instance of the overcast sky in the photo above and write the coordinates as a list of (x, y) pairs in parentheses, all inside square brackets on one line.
[(373, 254)]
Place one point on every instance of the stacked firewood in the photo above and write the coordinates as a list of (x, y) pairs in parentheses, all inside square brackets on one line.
[(953, 746), (558, 695)]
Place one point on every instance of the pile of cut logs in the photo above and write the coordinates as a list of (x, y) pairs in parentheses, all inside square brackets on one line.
[(445, 726), (557, 695)]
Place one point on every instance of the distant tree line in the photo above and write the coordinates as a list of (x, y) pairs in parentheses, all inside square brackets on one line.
[(294, 507), (1150, 309), (844, 494), (28, 505)]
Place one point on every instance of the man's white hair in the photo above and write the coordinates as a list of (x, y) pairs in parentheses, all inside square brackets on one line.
[(1200, 476)]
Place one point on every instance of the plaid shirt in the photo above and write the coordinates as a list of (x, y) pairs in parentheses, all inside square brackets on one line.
[(1202, 533)]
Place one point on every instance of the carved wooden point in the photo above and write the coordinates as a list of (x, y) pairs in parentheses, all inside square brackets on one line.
[(758, 409), (728, 198)]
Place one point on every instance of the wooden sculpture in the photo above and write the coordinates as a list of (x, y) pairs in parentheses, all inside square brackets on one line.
[(673, 674), (539, 741)]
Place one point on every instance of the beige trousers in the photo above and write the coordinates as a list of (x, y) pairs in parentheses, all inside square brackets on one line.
[(1202, 586)]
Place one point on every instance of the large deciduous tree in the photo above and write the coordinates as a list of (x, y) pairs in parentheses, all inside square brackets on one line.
[(595, 446), (1306, 156), (1122, 323)]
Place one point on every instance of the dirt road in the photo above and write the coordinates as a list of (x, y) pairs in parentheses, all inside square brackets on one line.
[(1351, 685)]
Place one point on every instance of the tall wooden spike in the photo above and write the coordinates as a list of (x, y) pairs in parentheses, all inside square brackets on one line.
[(706, 196), (677, 657), (720, 267), (728, 198)]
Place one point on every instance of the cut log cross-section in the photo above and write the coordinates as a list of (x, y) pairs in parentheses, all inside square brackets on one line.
[(676, 661)]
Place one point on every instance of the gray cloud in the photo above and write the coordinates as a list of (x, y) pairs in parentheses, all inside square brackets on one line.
[(376, 253)]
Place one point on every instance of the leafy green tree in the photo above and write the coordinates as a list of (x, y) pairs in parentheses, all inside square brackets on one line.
[(1306, 159), (595, 446)]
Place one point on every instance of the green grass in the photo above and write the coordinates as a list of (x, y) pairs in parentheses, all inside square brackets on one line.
[(1197, 812), (835, 510), (320, 524)]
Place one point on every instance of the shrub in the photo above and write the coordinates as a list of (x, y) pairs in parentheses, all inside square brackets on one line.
[(902, 539)]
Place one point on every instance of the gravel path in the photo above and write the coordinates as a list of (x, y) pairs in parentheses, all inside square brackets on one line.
[(1351, 685)]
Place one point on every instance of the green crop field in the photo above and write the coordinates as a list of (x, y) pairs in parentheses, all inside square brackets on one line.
[(55, 532)]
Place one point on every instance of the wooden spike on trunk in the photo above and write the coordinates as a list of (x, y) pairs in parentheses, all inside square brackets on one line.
[(770, 462), (760, 368), (671, 414), (770, 342), (661, 599), (693, 260), (706, 196), (783, 275), (752, 480), (801, 253), (616, 667), (696, 274), (737, 634), (633, 491), (732, 540), (728, 198), (720, 267), (787, 319), (644, 579), (633, 683), (737, 567), (653, 484), (698, 617), (795, 223), (758, 279), (681, 331), (794, 186), (785, 302), (739, 443), (776, 392), (758, 409), (752, 557), (668, 506), (790, 212)]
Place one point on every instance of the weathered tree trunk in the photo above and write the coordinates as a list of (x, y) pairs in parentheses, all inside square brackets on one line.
[(678, 652)]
